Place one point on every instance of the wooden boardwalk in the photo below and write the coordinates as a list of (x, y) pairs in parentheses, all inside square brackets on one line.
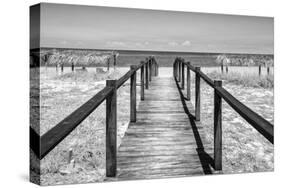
[(165, 141)]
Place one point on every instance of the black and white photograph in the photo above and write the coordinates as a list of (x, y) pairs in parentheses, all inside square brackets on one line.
[(121, 94)]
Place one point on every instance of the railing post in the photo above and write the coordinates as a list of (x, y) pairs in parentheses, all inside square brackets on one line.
[(259, 70), (111, 130), (217, 128), (133, 95), (142, 82), (188, 81), (153, 67), (146, 75), (182, 73), (150, 67), (157, 69), (197, 94), (175, 67)]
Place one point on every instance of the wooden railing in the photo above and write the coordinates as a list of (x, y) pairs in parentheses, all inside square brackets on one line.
[(264, 127), (41, 146)]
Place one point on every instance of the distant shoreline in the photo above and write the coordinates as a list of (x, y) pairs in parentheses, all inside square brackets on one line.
[(151, 52)]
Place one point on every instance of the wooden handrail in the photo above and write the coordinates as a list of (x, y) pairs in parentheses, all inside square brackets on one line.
[(55, 135), (202, 75), (260, 124)]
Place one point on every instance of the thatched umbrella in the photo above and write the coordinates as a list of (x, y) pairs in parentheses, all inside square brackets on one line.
[(219, 60)]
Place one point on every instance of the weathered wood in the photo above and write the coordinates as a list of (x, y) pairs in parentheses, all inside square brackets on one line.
[(197, 94), (150, 69), (142, 83), (217, 128), (133, 96), (180, 72), (111, 130), (124, 78), (146, 76), (188, 81), (162, 143), (183, 76)]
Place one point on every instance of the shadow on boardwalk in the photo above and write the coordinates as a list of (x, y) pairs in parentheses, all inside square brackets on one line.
[(204, 157)]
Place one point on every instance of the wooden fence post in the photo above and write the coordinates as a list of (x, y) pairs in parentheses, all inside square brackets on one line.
[(142, 82), (259, 70), (197, 94), (111, 130), (146, 75), (133, 95), (217, 128), (188, 81), (182, 73)]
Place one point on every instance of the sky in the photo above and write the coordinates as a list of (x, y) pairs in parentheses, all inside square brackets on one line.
[(73, 26)]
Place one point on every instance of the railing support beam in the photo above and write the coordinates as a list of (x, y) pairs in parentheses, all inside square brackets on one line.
[(111, 130), (217, 127)]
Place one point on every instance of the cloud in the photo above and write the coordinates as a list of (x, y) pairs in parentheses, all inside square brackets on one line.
[(173, 43), (186, 43), (115, 43)]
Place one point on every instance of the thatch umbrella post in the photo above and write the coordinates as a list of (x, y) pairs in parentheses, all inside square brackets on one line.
[(108, 63), (61, 66), (72, 67)]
